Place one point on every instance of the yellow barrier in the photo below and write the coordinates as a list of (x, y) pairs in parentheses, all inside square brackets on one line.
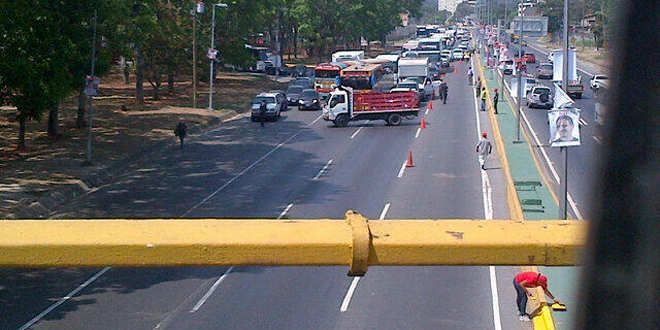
[(354, 242)]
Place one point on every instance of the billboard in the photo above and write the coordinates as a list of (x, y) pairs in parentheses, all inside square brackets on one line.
[(564, 127)]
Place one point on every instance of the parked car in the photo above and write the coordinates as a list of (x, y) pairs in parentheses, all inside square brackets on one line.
[(598, 81), (309, 100), (540, 97), (544, 71), (274, 105), (281, 94), (293, 94)]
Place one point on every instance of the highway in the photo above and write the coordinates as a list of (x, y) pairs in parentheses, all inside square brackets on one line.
[(582, 160), (299, 167)]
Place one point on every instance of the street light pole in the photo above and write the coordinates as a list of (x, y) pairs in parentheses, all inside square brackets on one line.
[(520, 88), (212, 60), (564, 86), (194, 54)]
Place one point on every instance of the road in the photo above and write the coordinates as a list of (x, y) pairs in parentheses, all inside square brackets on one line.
[(581, 160), (299, 167)]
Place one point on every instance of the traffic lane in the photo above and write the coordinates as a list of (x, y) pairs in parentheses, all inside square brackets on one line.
[(130, 298), (171, 182), (24, 293), (445, 183), (304, 297), (103, 197)]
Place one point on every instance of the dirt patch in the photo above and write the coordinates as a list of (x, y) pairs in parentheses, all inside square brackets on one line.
[(121, 131)]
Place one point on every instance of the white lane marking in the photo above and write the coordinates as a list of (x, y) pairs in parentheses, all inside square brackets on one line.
[(354, 283), (583, 122), (323, 170), (247, 169), (349, 294), (574, 206), (63, 299), (427, 111), (211, 290), (384, 212), (419, 130), (356, 133), (487, 193), (288, 207), (597, 139), (403, 168)]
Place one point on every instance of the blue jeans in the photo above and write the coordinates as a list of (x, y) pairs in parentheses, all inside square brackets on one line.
[(521, 298), (483, 105)]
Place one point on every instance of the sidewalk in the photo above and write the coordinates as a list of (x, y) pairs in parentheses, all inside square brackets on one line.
[(535, 198)]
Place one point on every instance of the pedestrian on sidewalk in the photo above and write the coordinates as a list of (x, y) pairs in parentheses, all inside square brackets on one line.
[(529, 280), (180, 131), (477, 86), (484, 148), (469, 74), (483, 99), (444, 89), (496, 98), (262, 113)]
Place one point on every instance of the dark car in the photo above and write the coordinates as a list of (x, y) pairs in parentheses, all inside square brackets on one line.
[(309, 100), (305, 82), (433, 73), (293, 94)]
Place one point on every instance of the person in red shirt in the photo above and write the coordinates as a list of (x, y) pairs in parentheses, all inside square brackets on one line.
[(529, 280)]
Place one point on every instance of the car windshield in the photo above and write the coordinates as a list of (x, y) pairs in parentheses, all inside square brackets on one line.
[(508, 62), (602, 77), (408, 85), (294, 90), (542, 91), (309, 94), (267, 99), (546, 66)]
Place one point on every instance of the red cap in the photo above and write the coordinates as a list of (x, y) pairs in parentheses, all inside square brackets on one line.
[(496, 89), (484, 134)]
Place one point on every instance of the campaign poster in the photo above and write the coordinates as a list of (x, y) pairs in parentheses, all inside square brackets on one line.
[(564, 127)]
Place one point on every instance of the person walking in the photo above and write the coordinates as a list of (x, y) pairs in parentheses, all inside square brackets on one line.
[(444, 89), (484, 148), (529, 280), (483, 99), (262, 112), (469, 74), (180, 131), (477, 86), (496, 98)]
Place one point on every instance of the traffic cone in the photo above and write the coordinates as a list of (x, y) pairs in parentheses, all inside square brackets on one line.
[(410, 162), (455, 70), (422, 124), (430, 105)]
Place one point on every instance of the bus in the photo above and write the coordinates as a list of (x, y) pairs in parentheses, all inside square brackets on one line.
[(327, 76), (362, 77)]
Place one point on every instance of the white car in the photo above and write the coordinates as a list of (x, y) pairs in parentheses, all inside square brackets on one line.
[(598, 81), (457, 54)]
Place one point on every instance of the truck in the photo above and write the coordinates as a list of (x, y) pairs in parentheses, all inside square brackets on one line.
[(350, 55), (575, 88), (417, 69), (346, 105)]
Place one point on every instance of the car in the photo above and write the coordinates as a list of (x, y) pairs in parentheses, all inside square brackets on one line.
[(293, 94), (408, 86), (598, 81), (444, 63), (305, 82), (507, 66), (457, 54), (529, 58), (445, 53), (309, 100), (425, 86), (540, 97), (544, 71), (433, 72), (274, 105), (281, 94)]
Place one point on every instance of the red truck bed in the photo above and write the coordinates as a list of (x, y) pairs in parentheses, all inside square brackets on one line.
[(376, 102)]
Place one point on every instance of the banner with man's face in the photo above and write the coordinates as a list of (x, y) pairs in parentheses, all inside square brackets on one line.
[(564, 127)]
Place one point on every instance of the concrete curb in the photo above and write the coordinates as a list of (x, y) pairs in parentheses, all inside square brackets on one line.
[(43, 207)]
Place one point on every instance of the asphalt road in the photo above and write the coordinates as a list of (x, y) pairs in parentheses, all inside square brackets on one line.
[(299, 167), (582, 160)]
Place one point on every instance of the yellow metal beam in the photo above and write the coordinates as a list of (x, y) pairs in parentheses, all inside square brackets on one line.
[(55, 243)]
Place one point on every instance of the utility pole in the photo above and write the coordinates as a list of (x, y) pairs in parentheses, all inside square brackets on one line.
[(212, 58), (521, 11), (194, 53), (88, 158), (564, 86)]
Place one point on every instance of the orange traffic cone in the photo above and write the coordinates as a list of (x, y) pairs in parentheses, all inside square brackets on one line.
[(430, 105), (422, 124), (410, 162), (455, 70)]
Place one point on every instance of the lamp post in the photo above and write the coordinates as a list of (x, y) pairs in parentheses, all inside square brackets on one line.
[(521, 10), (90, 137), (212, 60), (564, 86), (198, 9)]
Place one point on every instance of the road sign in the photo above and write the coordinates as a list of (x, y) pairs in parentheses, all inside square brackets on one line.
[(92, 85), (212, 53)]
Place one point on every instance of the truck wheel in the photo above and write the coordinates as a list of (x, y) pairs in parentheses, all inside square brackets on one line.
[(341, 121), (394, 119)]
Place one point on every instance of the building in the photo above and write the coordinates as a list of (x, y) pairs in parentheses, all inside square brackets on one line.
[(449, 5)]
